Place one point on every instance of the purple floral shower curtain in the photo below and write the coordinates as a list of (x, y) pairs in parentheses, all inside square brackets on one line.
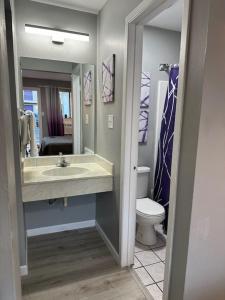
[(165, 146), (54, 112)]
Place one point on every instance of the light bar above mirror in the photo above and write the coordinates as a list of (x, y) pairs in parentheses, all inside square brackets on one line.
[(57, 35)]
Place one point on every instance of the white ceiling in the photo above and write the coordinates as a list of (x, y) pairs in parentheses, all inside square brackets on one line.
[(91, 6), (170, 18), (46, 75)]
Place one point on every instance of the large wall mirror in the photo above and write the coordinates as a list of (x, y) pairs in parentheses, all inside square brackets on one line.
[(58, 107)]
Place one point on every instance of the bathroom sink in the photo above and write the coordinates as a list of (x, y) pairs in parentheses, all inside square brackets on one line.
[(43, 179), (30, 174), (68, 171)]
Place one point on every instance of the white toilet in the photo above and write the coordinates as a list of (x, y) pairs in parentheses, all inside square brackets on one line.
[(148, 212)]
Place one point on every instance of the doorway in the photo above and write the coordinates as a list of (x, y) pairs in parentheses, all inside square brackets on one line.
[(135, 127)]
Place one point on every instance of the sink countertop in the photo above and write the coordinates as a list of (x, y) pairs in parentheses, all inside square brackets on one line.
[(34, 174), (87, 174)]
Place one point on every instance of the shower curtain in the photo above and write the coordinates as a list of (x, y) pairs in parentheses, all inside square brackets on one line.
[(165, 145)]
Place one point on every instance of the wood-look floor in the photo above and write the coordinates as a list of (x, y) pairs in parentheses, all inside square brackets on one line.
[(75, 265)]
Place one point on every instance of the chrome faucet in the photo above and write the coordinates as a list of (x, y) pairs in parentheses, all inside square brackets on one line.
[(62, 161)]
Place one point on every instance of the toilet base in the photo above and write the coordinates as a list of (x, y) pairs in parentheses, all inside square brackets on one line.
[(146, 234)]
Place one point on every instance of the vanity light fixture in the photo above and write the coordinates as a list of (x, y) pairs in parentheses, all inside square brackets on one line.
[(58, 35)]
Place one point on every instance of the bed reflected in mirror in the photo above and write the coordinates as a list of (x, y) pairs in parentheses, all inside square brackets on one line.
[(57, 108)]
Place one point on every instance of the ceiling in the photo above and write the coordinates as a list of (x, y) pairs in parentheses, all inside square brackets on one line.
[(91, 6), (170, 18), (46, 75)]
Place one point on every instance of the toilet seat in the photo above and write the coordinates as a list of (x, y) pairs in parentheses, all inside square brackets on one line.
[(148, 208)]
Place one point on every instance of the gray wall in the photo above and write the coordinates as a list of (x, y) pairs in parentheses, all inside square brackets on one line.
[(40, 214), (159, 46), (111, 30), (51, 16)]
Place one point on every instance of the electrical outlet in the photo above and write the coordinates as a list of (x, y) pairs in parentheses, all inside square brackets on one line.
[(110, 121), (86, 119)]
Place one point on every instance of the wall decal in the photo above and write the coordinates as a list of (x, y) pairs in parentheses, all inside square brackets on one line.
[(145, 90), (143, 126), (88, 91), (108, 79), (144, 107)]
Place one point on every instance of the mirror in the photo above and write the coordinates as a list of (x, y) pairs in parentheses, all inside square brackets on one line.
[(58, 107)]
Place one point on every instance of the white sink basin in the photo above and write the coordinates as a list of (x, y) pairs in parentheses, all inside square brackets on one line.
[(67, 171)]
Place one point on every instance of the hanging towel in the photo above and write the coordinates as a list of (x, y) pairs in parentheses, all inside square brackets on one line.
[(28, 133), (25, 136)]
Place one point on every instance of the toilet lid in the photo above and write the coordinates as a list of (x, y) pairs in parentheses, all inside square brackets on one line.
[(147, 206)]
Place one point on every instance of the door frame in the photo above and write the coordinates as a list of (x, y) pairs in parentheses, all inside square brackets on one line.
[(10, 284), (134, 24)]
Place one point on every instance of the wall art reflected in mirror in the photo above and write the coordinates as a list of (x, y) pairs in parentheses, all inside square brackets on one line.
[(57, 108)]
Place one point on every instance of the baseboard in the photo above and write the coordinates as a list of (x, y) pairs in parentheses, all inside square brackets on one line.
[(60, 228), (108, 243), (148, 296), (24, 270)]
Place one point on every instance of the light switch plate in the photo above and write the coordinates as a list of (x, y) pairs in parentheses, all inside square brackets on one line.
[(110, 121), (86, 119)]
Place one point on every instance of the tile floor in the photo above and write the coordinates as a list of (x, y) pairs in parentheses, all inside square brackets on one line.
[(149, 265)]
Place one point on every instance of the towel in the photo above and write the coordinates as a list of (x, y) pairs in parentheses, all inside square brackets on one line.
[(25, 130), (28, 133)]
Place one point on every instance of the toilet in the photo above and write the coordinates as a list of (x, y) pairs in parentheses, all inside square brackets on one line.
[(148, 212)]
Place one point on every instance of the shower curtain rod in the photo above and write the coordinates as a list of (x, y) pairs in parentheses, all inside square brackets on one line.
[(166, 67)]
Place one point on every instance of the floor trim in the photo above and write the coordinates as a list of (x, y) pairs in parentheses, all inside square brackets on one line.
[(60, 228), (108, 243), (23, 270), (140, 284)]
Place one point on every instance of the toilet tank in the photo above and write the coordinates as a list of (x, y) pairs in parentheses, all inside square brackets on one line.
[(142, 182)]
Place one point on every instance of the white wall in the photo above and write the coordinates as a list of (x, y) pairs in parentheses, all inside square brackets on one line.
[(205, 275), (52, 16), (159, 46), (198, 257)]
